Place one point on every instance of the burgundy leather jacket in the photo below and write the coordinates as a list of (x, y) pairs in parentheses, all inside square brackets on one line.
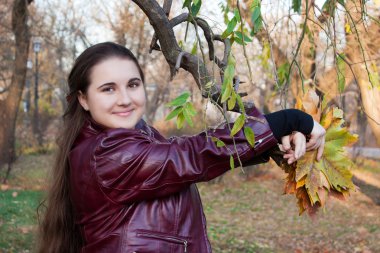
[(134, 190)]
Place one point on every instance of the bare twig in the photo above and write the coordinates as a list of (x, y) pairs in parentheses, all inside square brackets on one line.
[(271, 55), (244, 49)]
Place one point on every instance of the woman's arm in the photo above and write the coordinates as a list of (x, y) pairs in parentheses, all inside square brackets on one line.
[(131, 166)]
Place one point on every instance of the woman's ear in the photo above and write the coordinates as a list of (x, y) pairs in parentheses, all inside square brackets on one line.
[(82, 98)]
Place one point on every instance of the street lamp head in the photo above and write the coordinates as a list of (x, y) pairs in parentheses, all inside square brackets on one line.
[(36, 46)]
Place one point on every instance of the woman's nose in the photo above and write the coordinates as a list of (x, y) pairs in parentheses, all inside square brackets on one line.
[(124, 98)]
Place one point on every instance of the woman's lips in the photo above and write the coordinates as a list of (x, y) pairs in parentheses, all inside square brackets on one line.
[(124, 113)]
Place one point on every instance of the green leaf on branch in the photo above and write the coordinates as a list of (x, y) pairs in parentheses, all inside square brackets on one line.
[(194, 50), (256, 19), (220, 143), (250, 136), (240, 103), (180, 120), (238, 125), (195, 7), (258, 25), (184, 110), (296, 6), (187, 117), (230, 28), (231, 101), (239, 34), (229, 73), (232, 163), (174, 113), (238, 40), (190, 109), (180, 100), (341, 71), (283, 73), (256, 14), (186, 3), (237, 15)]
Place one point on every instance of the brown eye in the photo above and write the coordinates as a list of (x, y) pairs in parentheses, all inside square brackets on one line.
[(133, 84), (108, 89)]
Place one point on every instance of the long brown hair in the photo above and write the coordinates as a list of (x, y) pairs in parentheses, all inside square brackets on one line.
[(58, 231)]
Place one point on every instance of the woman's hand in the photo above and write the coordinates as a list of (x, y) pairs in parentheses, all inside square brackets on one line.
[(317, 140), (294, 146)]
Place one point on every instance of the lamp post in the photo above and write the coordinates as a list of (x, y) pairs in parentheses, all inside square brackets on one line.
[(29, 66), (36, 123)]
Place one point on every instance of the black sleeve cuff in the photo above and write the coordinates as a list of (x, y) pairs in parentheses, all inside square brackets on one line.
[(286, 121)]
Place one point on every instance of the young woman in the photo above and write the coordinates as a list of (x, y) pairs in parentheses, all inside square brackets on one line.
[(120, 186)]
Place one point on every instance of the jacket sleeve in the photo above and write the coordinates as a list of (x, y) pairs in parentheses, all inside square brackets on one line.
[(130, 166)]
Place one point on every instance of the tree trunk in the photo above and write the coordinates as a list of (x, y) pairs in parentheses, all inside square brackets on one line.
[(9, 107), (359, 52)]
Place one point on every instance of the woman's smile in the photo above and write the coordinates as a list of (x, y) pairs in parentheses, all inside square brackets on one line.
[(124, 113)]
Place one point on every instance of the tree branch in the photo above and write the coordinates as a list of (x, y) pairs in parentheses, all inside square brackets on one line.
[(171, 50), (209, 36)]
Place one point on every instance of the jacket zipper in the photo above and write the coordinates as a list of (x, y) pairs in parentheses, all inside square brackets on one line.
[(165, 238), (258, 142)]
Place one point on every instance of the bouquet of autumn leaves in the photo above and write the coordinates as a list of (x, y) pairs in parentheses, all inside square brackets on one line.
[(314, 181)]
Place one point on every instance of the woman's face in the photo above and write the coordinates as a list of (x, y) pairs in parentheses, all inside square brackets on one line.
[(115, 97)]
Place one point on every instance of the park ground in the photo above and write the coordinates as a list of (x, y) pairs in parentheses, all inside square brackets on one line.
[(245, 212)]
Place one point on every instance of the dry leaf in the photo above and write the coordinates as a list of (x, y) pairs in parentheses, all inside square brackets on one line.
[(312, 181)]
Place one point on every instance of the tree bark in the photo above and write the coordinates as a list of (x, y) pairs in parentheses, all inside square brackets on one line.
[(9, 107), (168, 43)]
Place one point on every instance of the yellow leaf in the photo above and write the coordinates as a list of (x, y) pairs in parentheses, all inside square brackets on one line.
[(313, 181), (347, 27), (327, 119), (300, 183), (298, 103), (309, 103)]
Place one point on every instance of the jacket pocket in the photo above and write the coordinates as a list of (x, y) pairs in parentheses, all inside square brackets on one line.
[(163, 237)]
